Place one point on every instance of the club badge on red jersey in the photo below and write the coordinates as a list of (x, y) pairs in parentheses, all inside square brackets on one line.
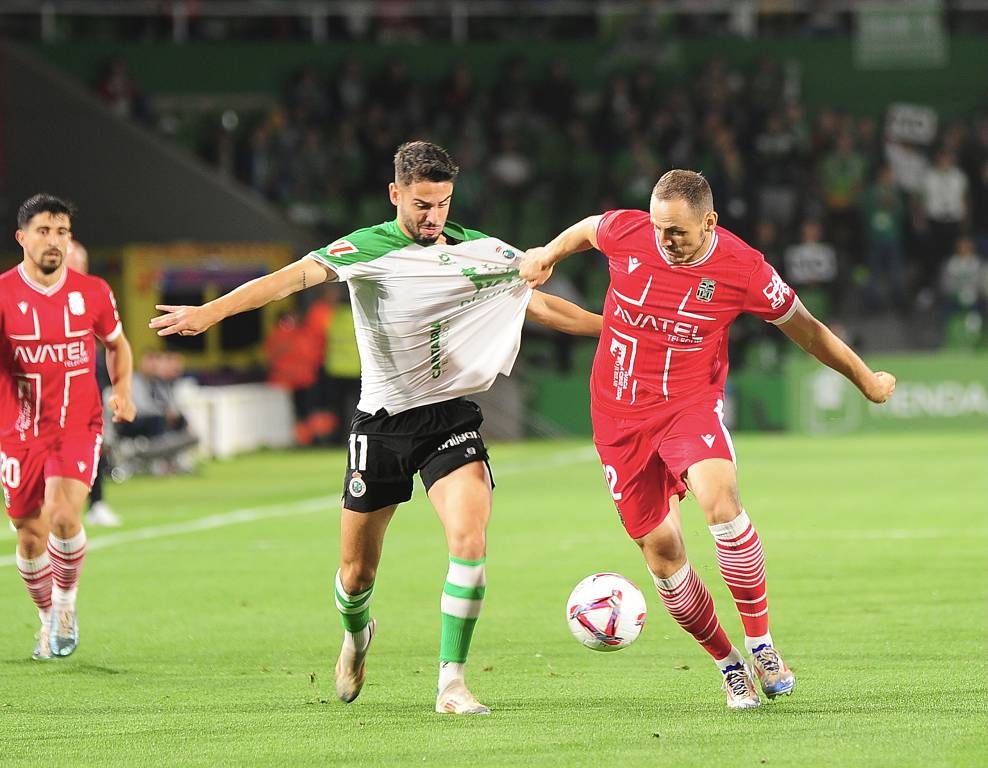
[(705, 291)]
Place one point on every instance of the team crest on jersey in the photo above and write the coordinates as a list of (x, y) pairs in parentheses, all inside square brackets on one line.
[(507, 253), (357, 485), (705, 290), (22, 306), (445, 258), (77, 304)]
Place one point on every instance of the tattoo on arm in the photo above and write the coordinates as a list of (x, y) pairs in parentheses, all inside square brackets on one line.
[(303, 280)]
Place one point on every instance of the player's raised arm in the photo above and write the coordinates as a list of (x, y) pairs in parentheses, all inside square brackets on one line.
[(536, 266), (818, 340), (561, 315), (191, 321)]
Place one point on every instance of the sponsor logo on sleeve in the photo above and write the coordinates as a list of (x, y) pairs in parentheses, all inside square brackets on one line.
[(342, 248), (776, 291)]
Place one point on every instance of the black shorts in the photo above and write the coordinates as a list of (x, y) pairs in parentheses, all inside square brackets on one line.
[(386, 451)]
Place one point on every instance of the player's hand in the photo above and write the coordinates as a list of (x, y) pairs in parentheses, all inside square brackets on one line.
[(532, 268), (881, 387), (183, 320), (122, 408)]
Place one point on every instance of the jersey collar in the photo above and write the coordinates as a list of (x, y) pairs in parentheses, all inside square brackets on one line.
[(707, 254), (398, 232), (47, 290)]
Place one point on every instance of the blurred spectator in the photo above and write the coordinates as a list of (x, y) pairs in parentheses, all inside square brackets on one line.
[(151, 420), (909, 165), (776, 152), (635, 169), (975, 164), (511, 171), (884, 215), (811, 268), (294, 354), (964, 291), (766, 241), (944, 207), (159, 438), (842, 177), (323, 420), (308, 98), (349, 89), (122, 94), (556, 94), (732, 188)]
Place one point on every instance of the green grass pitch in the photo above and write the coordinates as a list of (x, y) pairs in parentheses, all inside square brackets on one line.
[(208, 632)]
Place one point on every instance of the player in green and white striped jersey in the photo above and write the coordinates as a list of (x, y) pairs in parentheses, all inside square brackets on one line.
[(438, 312)]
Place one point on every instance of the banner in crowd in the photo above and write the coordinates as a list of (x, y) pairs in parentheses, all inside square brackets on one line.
[(908, 34), (933, 391)]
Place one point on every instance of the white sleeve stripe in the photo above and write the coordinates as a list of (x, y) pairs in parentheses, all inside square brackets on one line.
[(114, 334), (788, 315)]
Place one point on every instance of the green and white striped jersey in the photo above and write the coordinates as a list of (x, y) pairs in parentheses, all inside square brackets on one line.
[(433, 322)]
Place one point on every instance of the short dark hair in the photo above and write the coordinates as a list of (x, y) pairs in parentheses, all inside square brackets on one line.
[(690, 186), (43, 203), (423, 161)]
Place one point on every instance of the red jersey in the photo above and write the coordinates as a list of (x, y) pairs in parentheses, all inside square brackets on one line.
[(48, 352), (666, 325)]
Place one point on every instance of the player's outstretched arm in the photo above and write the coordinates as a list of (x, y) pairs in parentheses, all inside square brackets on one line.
[(191, 321), (561, 315), (817, 339), (536, 266), (120, 367)]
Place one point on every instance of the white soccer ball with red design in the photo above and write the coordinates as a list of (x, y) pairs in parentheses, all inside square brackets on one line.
[(606, 612)]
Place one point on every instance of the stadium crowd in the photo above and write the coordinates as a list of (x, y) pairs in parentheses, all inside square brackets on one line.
[(857, 219)]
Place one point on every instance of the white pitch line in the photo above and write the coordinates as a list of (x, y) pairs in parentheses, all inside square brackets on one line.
[(301, 507), (235, 517)]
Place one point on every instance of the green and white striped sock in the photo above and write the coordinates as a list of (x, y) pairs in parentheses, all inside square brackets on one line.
[(354, 612), (463, 597)]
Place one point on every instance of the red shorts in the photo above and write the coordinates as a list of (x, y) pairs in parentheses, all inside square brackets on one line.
[(645, 459), (28, 464)]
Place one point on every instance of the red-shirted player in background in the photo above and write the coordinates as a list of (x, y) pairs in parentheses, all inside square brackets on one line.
[(677, 282), (51, 414)]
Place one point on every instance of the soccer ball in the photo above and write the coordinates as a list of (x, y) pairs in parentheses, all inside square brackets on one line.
[(606, 612)]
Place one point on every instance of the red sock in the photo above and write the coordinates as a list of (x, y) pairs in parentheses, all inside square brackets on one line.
[(690, 604), (67, 556), (36, 573), (742, 564)]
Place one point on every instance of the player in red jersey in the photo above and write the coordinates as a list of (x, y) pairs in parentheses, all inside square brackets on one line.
[(51, 413), (677, 282)]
